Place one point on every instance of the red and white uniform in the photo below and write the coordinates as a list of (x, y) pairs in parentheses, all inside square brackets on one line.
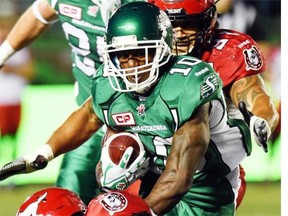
[(235, 55)]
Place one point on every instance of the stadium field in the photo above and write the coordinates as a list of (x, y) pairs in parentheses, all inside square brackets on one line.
[(262, 199)]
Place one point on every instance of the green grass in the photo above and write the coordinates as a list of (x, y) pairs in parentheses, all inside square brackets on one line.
[(262, 199), (12, 197)]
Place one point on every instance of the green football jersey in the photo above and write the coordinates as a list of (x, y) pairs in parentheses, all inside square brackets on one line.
[(184, 85), (83, 23), (188, 83)]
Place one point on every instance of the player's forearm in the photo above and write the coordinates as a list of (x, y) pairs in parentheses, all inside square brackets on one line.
[(224, 5), (189, 145), (175, 182), (167, 192), (252, 91), (78, 128), (265, 109), (26, 30)]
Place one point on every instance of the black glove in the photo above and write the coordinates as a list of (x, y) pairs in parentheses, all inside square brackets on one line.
[(29, 163), (20, 165), (259, 128)]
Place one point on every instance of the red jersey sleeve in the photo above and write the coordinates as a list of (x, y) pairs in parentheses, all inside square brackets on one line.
[(234, 55)]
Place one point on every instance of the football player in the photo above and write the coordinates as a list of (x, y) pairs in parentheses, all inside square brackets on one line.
[(235, 56), (175, 106), (83, 23)]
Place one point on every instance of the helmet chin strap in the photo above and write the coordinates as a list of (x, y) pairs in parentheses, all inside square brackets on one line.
[(146, 91), (143, 91)]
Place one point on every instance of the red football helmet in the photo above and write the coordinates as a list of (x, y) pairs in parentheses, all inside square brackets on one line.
[(53, 202), (118, 203), (200, 15)]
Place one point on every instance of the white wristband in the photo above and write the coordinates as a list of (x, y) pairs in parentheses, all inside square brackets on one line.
[(6, 50), (44, 150), (39, 16)]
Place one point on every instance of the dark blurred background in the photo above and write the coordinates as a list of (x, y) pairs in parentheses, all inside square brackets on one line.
[(259, 18)]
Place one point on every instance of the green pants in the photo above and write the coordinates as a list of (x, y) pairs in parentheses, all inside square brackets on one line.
[(183, 209), (77, 171)]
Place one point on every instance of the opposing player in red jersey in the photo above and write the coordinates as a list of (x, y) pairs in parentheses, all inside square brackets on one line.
[(234, 55)]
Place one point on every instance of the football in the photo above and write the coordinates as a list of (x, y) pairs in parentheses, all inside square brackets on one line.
[(118, 143)]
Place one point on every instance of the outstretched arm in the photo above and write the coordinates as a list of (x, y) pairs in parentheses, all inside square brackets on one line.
[(252, 91), (260, 114), (35, 20), (189, 144), (78, 128), (28, 27)]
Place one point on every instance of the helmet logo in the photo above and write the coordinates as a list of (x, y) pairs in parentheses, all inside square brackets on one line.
[(175, 11), (164, 23), (31, 210), (114, 202), (253, 58), (121, 185)]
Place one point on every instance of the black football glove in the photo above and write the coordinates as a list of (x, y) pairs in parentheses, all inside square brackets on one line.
[(29, 163)]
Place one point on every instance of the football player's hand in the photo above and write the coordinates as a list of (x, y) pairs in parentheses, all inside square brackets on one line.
[(259, 128), (29, 163), (119, 177)]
